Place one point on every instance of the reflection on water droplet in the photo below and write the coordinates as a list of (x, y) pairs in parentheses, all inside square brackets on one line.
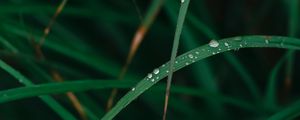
[(132, 89), (213, 43), (267, 41), (149, 75), (152, 80), (226, 44), (156, 71), (191, 56)]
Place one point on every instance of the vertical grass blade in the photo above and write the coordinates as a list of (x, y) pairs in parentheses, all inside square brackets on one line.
[(181, 17)]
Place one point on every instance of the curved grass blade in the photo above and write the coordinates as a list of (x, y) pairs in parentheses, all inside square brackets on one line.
[(271, 99), (60, 110), (199, 53), (288, 113)]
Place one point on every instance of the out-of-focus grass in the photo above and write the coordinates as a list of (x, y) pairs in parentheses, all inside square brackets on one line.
[(90, 42)]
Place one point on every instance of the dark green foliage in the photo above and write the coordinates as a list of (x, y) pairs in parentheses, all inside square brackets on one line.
[(215, 78)]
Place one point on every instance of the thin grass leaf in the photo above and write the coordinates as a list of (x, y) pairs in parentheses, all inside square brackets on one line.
[(60, 110), (62, 87), (87, 85), (271, 90), (292, 32), (8, 45), (180, 20), (199, 53), (205, 78), (289, 113), (136, 41)]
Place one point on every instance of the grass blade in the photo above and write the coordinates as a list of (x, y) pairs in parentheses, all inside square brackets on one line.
[(181, 17), (288, 113), (136, 41), (199, 54), (60, 110), (271, 93), (86, 85)]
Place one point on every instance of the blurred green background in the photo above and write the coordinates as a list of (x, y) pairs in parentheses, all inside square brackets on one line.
[(91, 39)]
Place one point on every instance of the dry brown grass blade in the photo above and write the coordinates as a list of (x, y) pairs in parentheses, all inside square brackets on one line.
[(53, 19), (136, 41), (74, 100), (56, 75)]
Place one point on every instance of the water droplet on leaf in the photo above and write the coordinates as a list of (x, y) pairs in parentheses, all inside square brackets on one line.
[(191, 56), (156, 71), (149, 75), (213, 43)]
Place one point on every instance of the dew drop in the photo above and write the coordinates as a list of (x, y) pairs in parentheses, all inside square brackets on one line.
[(197, 52), (226, 44), (182, 1), (167, 71), (213, 53), (241, 45), (187, 63), (152, 80), (191, 56), (149, 75), (213, 43), (132, 89), (157, 78), (176, 62), (156, 71), (220, 49), (267, 41)]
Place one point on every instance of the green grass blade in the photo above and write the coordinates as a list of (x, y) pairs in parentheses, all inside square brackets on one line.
[(8, 45), (47, 99), (237, 65), (53, 88), (201, 70), (199, 53), (271, 96), (288, 113), (292, 32), (86, 85), (181, 17)]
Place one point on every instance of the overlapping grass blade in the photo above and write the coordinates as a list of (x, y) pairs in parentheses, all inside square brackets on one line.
[(180, 20)]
